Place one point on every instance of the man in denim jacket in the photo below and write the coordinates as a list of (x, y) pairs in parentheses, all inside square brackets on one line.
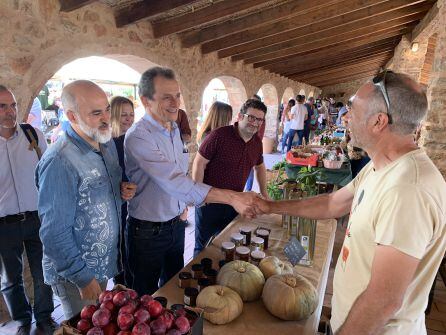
[(79, 201)]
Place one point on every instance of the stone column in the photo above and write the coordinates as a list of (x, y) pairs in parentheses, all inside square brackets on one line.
[(433, 137)]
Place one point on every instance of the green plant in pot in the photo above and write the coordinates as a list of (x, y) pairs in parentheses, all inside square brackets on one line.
[(307, 179)]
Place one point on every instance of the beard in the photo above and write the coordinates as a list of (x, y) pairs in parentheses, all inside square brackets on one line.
[(94, 133)]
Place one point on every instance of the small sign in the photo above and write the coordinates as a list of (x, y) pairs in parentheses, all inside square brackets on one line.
[(294, 250)]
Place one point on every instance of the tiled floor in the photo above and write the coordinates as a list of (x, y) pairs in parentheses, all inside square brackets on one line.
[(435, 321)]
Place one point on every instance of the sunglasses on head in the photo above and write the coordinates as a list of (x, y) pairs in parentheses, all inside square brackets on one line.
[(380, 81)]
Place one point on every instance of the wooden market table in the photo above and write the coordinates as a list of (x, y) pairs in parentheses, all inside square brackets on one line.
[(255, 319)]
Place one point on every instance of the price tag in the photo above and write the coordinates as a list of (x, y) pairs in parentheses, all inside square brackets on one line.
[(294, 250)]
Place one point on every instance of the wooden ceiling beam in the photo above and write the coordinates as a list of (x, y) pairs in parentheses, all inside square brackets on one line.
[(325, 39), (326, 55), (344, 79), (289, 9), (331, 69), (341, 61), (146, 9), (344, 12), (202, 16), (70, 5)]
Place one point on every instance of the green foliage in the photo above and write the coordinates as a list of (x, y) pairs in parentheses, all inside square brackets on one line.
[(307, 179)]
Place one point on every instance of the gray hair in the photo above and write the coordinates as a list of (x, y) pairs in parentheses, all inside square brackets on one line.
[(146, 87), (68, 97), (408, 103)]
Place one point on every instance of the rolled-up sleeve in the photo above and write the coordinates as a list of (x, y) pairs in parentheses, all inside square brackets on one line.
[(143, 154), (57, 187)]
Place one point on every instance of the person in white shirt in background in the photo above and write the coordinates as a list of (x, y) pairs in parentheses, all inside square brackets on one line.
[(299, 114)]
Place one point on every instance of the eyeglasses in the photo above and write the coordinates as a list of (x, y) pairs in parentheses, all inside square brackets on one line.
[(380, 82), (252, 118)]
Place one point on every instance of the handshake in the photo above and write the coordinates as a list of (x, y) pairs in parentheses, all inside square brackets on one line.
[(250, 204)]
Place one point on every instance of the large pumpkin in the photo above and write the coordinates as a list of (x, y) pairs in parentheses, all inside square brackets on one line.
[(220, 304), (244, 278), (272, 265), (289, 297)]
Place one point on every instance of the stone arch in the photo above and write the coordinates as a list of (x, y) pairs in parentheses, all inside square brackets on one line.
[(311, 94), (287, 95), (302, 91), (268, 93)]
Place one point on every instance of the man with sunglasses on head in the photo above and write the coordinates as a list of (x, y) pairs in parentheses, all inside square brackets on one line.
[(225, 160), (20, 150), (396, 235)]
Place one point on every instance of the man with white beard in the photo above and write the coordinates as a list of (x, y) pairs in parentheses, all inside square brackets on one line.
[(80, 201)]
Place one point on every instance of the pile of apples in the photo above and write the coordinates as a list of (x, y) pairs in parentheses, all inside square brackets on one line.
[(124, 313)]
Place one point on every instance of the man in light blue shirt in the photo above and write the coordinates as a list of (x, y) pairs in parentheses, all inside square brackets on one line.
[(158, 164)]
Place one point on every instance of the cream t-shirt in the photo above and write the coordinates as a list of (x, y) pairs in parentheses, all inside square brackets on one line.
[(401, 205)]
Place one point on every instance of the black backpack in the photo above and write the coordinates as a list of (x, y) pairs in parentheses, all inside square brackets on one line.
[(32, 137)]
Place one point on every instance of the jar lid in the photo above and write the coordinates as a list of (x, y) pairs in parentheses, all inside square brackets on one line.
[(242, 250), (204, 282), (206, 262), (262, 232), (190, 291), (245, 229), (197, 267), (257, 240), (185, 275), (237, 236), (228, 245), (210, 273), (258, 254)]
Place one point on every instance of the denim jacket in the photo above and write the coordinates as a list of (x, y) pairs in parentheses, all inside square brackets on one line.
[(79, 206)]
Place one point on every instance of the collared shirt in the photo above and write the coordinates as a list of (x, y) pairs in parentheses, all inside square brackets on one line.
[(80, 210), (17, 188), (230, 158), (156, 162)]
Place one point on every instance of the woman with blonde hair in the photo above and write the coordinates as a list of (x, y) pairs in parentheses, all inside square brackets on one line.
[(122, 117), (219, 115)]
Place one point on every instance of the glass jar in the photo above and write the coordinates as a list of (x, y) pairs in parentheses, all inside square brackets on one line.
[(184, 279), (211, 274), (257, 256), (257, 243), (242, 253), (202, 283), (228, 250), (237, 239), (263, 233), (207, 263), (190, 296), (246, 232), (197, 271)]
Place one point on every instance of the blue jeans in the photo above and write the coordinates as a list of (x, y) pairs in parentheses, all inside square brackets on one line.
[(70, 297), (155, 252), (285, 141), (15, 237), (292, 132), (250, 181), (210, 220)]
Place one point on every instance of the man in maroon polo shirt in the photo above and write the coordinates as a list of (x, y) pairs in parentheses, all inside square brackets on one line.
[(225, 160)]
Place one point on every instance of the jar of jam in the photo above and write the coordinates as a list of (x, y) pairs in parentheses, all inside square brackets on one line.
[(228, 251), (237, 239), (190, 296), (211, 274), (202, 283), (162, 301), (197, 271), (242, 253), (256, 257), (263, 233), (207, 263), (184, 279), (257, 243), (246, 232)]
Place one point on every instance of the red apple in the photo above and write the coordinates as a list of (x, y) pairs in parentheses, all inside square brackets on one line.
[(141, 329), (125, 321), (87, 312), (182, 324), (173, 332), (133, 295), (128, 308), (125, 332), (110, 329), (121, 298), (83, 326), (158, 327), (145, 299), (167, 318), (101, 317), (95, 331), (105, 296), (180, 312), (155, 309), (141, 315), (108, 305)]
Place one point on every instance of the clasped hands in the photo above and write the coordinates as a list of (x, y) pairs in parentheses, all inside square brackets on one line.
[(250, 204)]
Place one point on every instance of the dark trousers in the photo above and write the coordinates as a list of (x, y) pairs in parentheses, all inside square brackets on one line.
[(307, 131), (358, 164), (124, 277), (292, 132), (155, 252), (211, 219), (15, 237)]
